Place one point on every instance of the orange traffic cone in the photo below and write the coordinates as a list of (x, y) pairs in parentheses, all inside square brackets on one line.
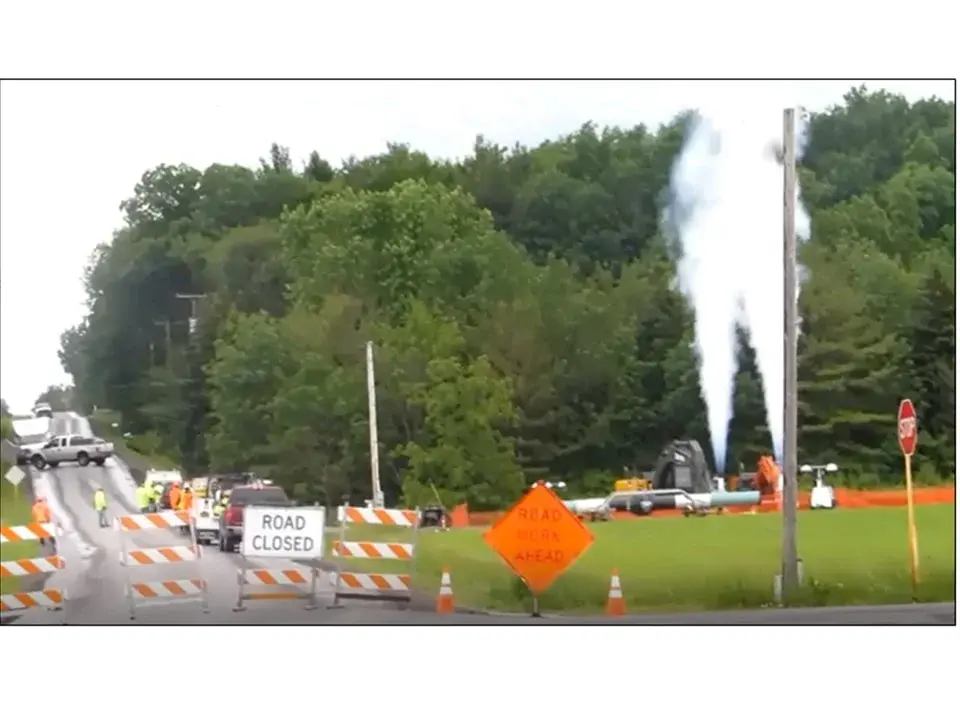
[(445, 598), (615, 604)]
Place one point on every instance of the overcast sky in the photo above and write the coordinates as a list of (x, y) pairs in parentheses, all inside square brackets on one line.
[(72, 151)]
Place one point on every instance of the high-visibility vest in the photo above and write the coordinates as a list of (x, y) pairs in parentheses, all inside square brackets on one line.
[(99, 500), (186, 500), (143, 497), (40, 511), (175, 497)]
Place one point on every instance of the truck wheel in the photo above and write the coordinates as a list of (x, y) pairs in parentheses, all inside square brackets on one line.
[(230, 544), (83, 459), (38, 462), (100, 461)]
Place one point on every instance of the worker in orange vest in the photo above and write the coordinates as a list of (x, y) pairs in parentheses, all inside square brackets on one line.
[(175, 496), (186, 504), (41, 514), (186, 498)]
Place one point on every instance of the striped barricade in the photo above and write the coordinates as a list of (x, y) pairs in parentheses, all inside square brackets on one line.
[(286, 584), (51, 598), (284, 534), (350, 584), (160, 592)]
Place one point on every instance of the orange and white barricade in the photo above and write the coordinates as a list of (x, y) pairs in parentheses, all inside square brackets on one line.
[(285, 534), (51, 598), (133, 557), (375, 585), (285, 584)]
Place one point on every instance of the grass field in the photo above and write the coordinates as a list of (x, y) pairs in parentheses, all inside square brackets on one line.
[(103, 421), (14, 510), (716, 562)]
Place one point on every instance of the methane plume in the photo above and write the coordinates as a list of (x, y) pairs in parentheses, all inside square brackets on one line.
[(726, 211)]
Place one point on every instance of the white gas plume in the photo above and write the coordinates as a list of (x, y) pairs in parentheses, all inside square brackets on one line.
[(726, 210)]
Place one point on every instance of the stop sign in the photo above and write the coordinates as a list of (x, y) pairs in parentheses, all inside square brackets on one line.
[(907, 427)]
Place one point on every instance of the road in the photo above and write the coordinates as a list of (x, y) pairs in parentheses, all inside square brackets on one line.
[(96, 581)]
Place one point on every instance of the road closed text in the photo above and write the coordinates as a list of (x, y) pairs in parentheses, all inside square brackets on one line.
[(283, 532), (282, 543)]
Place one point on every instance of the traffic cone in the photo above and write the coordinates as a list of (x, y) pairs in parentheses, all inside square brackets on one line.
[(615, 604), (445, 598)]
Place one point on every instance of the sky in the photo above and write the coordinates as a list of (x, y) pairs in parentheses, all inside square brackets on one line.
[(72, 151)]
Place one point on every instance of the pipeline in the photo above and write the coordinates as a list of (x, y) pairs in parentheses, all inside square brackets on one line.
[(647, 501)]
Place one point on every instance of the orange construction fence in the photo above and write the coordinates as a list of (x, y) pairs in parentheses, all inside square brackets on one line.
[(846, 498)]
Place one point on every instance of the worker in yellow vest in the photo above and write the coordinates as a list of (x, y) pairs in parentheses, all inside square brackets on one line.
[(156, 493), (100, 505), (143, 497)]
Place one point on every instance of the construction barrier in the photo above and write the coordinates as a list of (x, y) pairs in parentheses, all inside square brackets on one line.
[(287, 584), (160, 592), (52, 598), (369, 585), (287, 534)]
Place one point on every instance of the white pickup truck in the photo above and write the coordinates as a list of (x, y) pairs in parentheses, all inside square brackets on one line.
[(80, 449)]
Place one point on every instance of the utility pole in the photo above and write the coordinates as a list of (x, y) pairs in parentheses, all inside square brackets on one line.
[(193, 298), (790, 574), (167, 333), (377, 498)]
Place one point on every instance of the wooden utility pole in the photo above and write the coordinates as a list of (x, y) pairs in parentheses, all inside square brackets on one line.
[(790, 574), (377, 498)]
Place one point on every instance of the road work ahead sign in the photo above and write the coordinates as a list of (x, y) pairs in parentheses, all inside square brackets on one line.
[(273, 532)]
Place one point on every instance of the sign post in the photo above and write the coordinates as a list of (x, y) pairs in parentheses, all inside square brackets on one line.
[(907, 433), (539, 538), (15, 476)]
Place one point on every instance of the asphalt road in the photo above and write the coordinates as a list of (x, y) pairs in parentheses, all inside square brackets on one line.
[(95, 580)]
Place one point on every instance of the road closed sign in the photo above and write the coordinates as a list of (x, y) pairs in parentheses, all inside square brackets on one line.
[(273, 532)]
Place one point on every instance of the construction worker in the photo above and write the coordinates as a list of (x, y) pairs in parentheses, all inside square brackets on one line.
[(41, 514), (174, 498), (186, 504), (156, 494), (100, 505), (143, 497), (186, 498), (147, 493), (222, 500)]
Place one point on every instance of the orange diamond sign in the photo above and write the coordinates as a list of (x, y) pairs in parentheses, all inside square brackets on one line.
[(539, 538)]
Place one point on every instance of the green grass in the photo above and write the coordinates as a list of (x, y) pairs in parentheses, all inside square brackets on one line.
[(132, 448), (14, 510), (716, 562)]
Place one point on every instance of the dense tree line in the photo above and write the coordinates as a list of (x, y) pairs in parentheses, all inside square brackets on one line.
[(523, 307)]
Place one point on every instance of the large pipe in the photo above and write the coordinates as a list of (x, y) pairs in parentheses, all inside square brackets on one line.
[(679, 499)]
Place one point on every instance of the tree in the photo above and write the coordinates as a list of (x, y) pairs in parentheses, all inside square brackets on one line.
[(748, 436), (523, 309), (60, 398), (929, 369)]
